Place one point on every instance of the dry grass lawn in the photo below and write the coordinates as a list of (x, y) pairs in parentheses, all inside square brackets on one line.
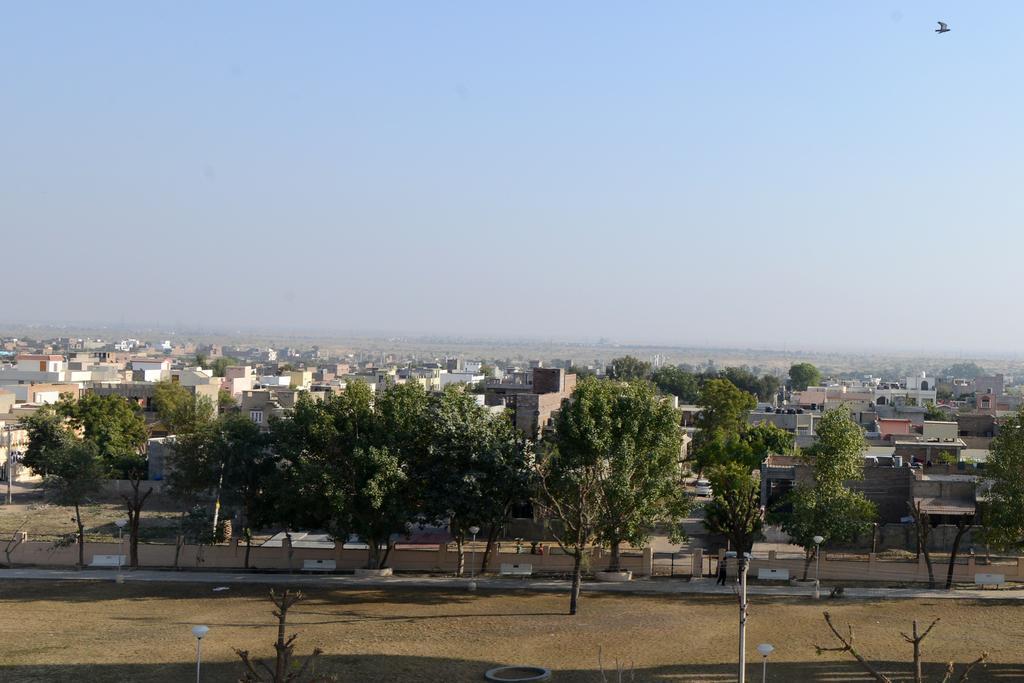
[(104, 632), (44, 521)]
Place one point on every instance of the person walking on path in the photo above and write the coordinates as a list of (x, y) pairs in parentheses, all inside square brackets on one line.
[(721, 572)]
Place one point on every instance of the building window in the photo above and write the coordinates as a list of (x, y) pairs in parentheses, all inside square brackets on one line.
[(256, 416)]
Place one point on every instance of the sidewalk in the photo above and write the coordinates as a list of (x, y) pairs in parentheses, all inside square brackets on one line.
[(640, 586)]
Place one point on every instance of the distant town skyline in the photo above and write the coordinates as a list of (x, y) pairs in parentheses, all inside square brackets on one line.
[(798, 176)]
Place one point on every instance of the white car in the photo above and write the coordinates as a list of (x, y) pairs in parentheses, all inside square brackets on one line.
[(703, 487)]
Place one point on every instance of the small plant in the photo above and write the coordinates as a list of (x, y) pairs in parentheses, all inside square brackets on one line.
[(621, 672), (915, 639), (285, 670)]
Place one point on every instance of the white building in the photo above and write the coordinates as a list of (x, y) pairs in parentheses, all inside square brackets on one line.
[(151, 369)]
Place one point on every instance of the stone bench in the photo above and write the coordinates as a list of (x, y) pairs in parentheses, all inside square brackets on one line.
[(319, 565), (508, 569), (982, 579), (108, 561), (766, 574)]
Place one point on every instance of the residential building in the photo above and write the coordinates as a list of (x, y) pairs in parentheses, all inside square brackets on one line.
[(150, 369), (534, 401)]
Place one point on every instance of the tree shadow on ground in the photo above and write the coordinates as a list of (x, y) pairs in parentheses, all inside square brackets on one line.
[(386, 668), (90, 591)]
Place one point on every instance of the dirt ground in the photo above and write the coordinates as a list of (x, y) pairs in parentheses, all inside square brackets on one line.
[(105, 632), (41, 520)]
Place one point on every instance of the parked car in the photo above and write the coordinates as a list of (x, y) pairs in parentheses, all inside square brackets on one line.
[(703, 487)]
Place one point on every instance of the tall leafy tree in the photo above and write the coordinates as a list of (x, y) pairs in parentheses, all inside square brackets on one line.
[(572, 474), (735, 509), (471, 469), (765, 438), (111, 423), (116, 428), (351, 453), (179, 409), (677, 382), (803, 375), (571, 494), (828, 507), (628, 368), (228, 459), (47, 433), (721, 424), (245, 467), (1004, 527), (763, 387), (638, 436), (73, 475)]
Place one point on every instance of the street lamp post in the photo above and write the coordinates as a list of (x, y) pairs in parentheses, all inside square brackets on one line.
[(741, 568), (765, 649), (817, 566), (474, 530), (120, 541), (9, 465), (199, 632)]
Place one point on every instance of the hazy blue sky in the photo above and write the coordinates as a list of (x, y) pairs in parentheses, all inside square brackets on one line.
[(783, 174)]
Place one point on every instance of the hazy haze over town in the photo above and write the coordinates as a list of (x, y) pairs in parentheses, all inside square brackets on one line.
[(792, 176)]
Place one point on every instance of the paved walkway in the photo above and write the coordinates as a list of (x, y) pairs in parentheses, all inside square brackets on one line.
[(661, 586)]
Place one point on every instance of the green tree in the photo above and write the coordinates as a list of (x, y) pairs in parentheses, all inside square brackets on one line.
[(73, 474), (677, 382), (721, 425), (639, 437), (1005, 473), (803, 375), (934, 413), (764, 439), (763, 387), (225, 401), (735, 509), (221, 365), (473, 469), (178, 409), (570, 486), (375, 496), (628, 368), (350, 453), (113, 424), (580, 372), (245, 467), (828, 508), (968, 370), (116, 428), (635, 439), (47, 433)]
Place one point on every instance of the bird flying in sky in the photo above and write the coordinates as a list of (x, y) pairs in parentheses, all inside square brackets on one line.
[(942, 28)]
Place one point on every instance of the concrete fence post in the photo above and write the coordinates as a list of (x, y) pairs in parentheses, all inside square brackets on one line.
[(648, 561), (697, 563)]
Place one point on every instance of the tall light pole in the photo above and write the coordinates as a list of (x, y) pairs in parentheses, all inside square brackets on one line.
[(199, 632), (741, 568), (120, 541), (765, 649), (474, 530), (10, 464), (817, 566)]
